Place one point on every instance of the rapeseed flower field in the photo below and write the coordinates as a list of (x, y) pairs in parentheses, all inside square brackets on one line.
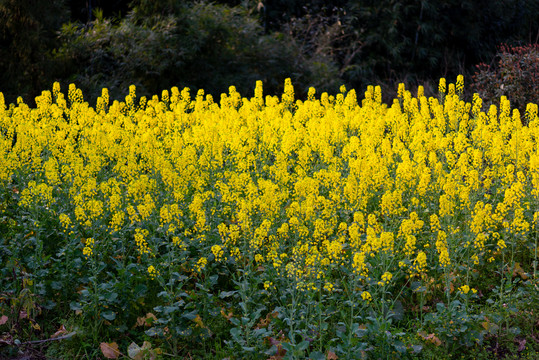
[(268, 227)]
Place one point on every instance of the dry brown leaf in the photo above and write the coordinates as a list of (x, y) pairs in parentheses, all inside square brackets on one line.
[(146, 320), (3, 319), (61, 331), (264, 322), (110, 350), (433, 339), (521, 345), (331, 356), (518, 270), (277, 342), (430, 338), (226, 316)]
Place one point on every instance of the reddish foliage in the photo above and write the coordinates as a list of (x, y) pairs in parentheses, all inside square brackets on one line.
[(515, 74)]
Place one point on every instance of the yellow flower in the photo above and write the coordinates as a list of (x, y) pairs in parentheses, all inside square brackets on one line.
[(328, 287), (200, 265), (218, 252), (460, 85), (140, 241), (366, 296), (88, 249), (387, 276), (152, 272), (420, 263), (65, 220), (441, 86), (358, 264)]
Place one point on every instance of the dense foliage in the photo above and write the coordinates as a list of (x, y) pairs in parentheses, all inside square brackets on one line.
[(27, 37), (212, 45), (515, 74), (269, 227)]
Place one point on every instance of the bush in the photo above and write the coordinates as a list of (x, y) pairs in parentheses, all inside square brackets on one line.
[(514, 74), (201, 46)]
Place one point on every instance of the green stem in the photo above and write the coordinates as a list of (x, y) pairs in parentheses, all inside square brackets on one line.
[(320, 316)]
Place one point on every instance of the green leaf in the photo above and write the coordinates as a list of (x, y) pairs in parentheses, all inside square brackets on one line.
[(225, 294), (75, 306), (190, 315), (110, 297), (108, 315), (317, 355), (170, 309), (399, 346), (153, 332), (302, 346)]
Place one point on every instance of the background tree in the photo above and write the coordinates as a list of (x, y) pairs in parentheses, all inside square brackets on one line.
[(199, 45), (416, 40), (82, 10), (27, 36), (158, 44)]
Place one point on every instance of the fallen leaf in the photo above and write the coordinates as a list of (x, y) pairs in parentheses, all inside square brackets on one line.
[(110, 350), (430, 338), (136, 352), (61, 331), (226, 316), (146, 320), (331, 356), (3, 319), (264, 322), (521, 345), (281, 352), (518, 270)]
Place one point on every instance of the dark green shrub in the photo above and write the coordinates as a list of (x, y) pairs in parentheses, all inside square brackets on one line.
[(204, 45)]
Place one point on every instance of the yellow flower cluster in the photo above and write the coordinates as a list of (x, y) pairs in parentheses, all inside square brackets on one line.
[(152, 272), (304, 187), (88, 249), (140, 241)]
